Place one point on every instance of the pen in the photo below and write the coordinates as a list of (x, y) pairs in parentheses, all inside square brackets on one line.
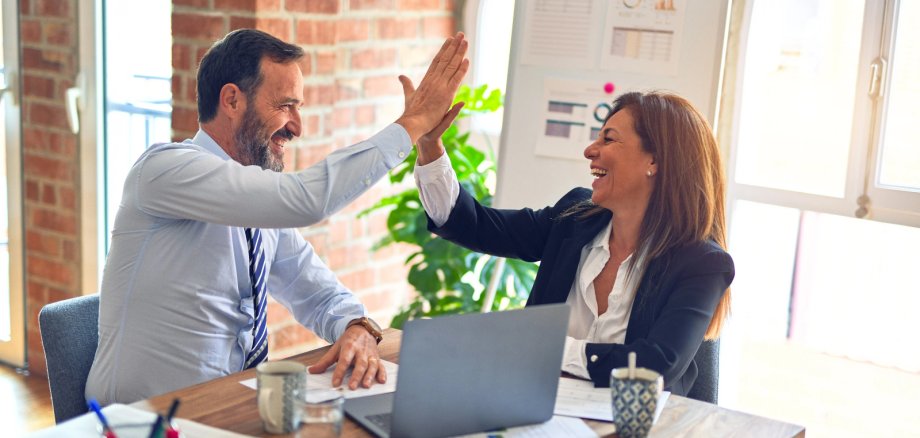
[(155, 430), (172, 411), (168, 424), (94, 405)]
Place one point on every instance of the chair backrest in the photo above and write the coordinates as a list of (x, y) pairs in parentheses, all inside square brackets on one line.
[(706, 387), (70, 333)]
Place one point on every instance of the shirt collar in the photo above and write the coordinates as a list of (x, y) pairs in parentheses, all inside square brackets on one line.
[(205, 141), (602, 239)]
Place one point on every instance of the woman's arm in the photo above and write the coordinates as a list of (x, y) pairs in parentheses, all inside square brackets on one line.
[(520, 234)]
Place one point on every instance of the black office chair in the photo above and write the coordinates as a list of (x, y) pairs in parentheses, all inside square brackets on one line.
[(706, 387)]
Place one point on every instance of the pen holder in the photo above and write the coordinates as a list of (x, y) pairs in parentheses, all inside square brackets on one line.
[(634, 400)]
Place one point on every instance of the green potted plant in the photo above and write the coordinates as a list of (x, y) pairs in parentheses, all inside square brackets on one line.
[(450, 279)]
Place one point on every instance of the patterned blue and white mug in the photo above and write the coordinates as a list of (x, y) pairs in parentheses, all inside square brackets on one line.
[(634, 400), (279, 383)]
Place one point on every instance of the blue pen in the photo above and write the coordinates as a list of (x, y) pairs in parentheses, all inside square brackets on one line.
[(157, 428), (172, 411), (94, 405)]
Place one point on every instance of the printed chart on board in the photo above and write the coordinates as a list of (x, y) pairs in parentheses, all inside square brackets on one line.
[(573, 115), (643, 36)]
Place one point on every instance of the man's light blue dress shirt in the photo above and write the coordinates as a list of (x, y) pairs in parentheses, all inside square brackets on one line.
[(176, 303)]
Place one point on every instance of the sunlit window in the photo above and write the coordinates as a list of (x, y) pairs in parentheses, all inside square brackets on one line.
[(4, 209), (900, 147), (799, 82), (824, 158), (490, 66), (4, 222), (137, 89)]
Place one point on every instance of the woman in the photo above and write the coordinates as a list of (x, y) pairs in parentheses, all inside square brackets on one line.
[(640, 258)]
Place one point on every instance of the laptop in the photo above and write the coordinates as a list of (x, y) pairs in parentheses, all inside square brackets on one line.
[(471, 373)]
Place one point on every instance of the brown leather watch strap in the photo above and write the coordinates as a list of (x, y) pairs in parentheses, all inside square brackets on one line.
[(368, 325)]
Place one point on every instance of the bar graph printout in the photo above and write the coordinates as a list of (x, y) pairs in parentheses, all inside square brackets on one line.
[(643, 36), (573, 114), (558, 32)]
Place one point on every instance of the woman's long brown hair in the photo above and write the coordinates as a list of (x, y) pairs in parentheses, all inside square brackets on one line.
[(687, 204)]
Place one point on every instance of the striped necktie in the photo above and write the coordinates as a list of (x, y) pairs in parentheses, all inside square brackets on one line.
[(257, 274)]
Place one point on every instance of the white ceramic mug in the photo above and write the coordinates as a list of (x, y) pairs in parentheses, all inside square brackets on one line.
[(278, 385)]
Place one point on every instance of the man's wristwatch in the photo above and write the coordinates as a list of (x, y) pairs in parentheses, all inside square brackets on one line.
[(368, 325)]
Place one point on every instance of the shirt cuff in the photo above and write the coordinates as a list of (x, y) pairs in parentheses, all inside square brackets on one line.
[(342, 324), (438, 188), (574, 361), (434, 170), (394, 142)]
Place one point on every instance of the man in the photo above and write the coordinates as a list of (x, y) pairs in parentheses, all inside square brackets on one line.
[(205, 228)]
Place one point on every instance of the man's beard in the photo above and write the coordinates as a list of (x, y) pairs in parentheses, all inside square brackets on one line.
[(253, 142)]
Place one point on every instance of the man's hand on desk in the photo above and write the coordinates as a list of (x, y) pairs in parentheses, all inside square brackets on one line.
[(356, 348)]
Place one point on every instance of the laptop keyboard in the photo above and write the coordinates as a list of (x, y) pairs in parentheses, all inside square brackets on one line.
[(381, 420)]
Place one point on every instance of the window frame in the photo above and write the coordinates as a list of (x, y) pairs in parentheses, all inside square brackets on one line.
[(90, 85), (471, 13), (14, 351), (885, 205)]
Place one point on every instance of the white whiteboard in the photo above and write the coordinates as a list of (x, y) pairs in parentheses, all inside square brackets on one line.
[(528, 177)]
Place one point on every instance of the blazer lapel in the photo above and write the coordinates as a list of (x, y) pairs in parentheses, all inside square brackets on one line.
[(642, 312), (563, 272)]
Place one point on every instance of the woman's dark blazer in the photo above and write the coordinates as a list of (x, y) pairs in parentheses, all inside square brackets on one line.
[(674, 303)]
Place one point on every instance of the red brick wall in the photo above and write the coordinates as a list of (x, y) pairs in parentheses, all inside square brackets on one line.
[(51, 172), (354, 51)]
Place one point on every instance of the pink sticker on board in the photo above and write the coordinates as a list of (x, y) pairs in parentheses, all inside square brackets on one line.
[(609, 87)]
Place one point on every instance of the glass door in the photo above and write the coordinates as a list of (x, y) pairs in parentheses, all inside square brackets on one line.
[(12, 329)]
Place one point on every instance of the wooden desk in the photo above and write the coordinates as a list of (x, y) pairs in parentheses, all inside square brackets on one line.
[(226, 404)]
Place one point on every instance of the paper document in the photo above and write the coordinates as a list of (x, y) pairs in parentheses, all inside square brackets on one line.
[(324, 381), (555, 427), (128, 422), (643, 37), (579, 398), (572, 115), (558, 32)]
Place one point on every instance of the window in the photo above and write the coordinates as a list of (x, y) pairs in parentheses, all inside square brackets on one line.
[(12, 326), (491, 36), (125, 91), (799, 84), (824, 210), (823, 120), (138, 94), (893, 187)]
